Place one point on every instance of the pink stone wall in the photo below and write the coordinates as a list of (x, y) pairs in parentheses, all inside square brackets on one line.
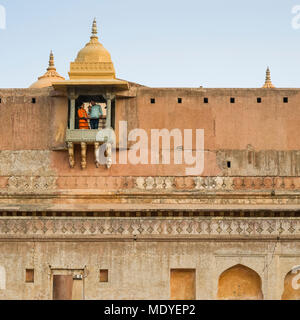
[(259, 139)]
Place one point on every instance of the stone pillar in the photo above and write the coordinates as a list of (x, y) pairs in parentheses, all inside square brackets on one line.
[(72, 97), (108, 111), (72, 114), (109, 97)]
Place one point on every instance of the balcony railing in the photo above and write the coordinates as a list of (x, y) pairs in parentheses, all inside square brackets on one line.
[(84, 135)]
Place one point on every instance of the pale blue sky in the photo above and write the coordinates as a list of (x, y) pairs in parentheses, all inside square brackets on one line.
[(159, 43)]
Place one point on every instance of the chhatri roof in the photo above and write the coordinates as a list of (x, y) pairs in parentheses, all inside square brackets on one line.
[(93, 66), (49, 77)]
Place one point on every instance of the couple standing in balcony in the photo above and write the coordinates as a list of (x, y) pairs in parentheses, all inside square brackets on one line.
[(94, 114)]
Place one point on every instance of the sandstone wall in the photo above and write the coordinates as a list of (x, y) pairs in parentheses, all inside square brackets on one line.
[(143, 272), (139, 222), (258, 139)]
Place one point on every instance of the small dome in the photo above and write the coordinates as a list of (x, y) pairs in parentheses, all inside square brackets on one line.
[(49, 77), (93, 52), (93, 61), (45, 82)]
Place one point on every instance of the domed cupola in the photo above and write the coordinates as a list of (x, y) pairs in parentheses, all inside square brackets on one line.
[(49, 77), (93, 61)]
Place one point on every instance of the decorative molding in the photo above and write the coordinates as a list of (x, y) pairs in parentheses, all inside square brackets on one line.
[(92, 67), (272, 187), (24, 184), (258, 229), (32, 211), (186, 183)]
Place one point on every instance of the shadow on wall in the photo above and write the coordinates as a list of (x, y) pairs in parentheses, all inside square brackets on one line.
[(240, 283)]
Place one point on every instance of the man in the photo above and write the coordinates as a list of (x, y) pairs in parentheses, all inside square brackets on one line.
[(83, 118), (94, 114)]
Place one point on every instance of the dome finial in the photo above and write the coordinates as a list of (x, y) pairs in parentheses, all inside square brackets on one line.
[(268, 82), (94, 29), (93, 61), (49, 77), (51, 61)]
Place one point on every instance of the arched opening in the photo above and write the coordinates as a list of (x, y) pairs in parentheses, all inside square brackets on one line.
[(239, 283), (291, 289), (85, 100)]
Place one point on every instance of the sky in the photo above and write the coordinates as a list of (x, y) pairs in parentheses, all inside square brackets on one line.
[(157, 43)]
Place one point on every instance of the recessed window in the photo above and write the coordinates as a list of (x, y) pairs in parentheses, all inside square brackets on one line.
[(29, 276), (152, 100), (232, 100), (205, 100), (228, 164), (258, 100), (103, 275), (285, 100), (179, 100), (183, 284), (33, 100)]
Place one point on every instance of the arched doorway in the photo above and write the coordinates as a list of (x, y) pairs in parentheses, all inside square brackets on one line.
[(239, 283), (291, 289)]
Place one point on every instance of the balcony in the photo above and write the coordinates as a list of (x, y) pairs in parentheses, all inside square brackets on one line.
[(87, 136), (84, 137)]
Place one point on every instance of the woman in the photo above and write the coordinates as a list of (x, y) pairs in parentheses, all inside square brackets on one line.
[(83, 118)]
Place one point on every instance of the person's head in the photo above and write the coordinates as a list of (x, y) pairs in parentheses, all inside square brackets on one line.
[(93, 102)]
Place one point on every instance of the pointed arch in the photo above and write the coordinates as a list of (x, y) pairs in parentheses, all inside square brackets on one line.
[(240, 283)]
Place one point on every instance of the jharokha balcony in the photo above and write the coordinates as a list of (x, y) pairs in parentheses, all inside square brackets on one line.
[(91, 80)]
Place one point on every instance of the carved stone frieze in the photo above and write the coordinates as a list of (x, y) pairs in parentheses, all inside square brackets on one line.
[(199, 227)]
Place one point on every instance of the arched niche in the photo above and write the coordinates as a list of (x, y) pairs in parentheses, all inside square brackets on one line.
[(240, 283)]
